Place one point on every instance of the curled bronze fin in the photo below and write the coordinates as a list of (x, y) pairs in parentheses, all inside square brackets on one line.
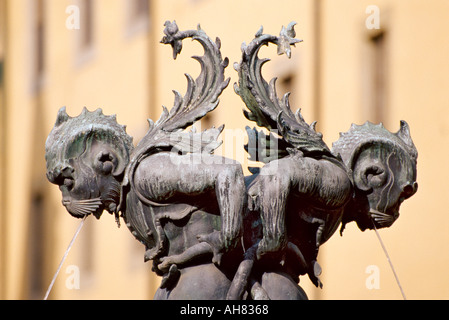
[(260, 97), (202, 94)]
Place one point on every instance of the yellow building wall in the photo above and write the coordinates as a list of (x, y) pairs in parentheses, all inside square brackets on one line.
[(114, 76), (417, 80), (14, 237), (129, 73), (2, 142)]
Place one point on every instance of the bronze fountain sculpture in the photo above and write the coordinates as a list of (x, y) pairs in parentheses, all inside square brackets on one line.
[(211, 232)]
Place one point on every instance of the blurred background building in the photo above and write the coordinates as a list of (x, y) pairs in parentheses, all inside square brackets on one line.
[(377, 60)]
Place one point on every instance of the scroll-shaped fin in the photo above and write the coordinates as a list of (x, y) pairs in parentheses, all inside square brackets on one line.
[(202, 94), (260, 97), (201, 97)]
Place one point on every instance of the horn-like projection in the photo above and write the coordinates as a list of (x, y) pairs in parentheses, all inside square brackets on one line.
[(61, 117), (404, 133)]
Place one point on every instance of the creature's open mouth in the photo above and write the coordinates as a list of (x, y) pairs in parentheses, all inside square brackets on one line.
[(81, 208), (383, 219)]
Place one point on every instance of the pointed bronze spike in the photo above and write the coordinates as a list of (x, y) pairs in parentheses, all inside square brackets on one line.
[(291, 29), (62, 116), (243, 46), (404, 129), (225, 62), (299, 116), (218, 42), (259, 32), (404, 133)]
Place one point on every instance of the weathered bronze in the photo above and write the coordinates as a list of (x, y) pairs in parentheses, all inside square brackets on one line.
[(211, 232)]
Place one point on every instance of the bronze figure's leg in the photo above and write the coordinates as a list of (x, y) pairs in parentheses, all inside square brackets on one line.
[(230, 190), (231, 197), (270, 192)]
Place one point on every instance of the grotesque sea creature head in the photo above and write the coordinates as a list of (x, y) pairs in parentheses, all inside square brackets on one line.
[(86, 157), (382, 166)]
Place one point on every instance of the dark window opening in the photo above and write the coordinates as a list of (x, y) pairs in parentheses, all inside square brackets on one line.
[(378, 80), (87, 33)]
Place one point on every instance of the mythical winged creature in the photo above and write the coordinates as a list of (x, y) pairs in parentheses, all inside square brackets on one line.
[(181, 201), (305, 190)]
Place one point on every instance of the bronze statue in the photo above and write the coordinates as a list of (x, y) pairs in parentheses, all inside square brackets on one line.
[(211, 232)]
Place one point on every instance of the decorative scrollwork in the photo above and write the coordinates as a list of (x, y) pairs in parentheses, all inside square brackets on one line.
[(265, 108)]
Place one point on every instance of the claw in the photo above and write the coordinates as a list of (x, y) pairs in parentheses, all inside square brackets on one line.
[(317, 269), (316, 273), (170, 279)]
